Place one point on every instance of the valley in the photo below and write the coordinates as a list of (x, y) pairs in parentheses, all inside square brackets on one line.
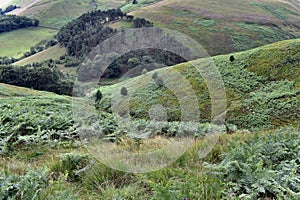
[(107, 100)]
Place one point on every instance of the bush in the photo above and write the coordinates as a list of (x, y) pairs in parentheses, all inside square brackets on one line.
[(25, 187), (263, 167)]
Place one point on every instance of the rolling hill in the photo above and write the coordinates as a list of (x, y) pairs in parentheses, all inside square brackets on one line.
[(44, 153), (227, 26), (262, 88), (56, 13), (51, 53), (16, 43)]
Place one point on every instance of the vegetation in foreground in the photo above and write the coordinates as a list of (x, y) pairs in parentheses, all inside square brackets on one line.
[(245, 164), (42, 156)]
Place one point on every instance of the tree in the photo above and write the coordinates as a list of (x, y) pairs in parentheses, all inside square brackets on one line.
[(133, 62), (231, 58), (124, 91), (98, 96), (135, 2), (154, 75)]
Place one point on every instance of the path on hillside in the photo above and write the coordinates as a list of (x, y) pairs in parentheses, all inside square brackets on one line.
[(19, 11)]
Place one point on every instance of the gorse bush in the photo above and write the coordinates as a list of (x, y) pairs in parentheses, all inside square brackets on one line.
[(263, 166)]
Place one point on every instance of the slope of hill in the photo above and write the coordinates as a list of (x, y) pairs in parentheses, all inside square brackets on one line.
[(51, 53), (57, 13), (262, 87), (42, 156), (15, 91), (227, 26), (16, 43)]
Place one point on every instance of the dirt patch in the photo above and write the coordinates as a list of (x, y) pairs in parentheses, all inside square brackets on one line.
[(19, 11)]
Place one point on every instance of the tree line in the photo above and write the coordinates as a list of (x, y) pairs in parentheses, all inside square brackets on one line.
[(8, 9), (12, 22), (86, 32), (38, 76)]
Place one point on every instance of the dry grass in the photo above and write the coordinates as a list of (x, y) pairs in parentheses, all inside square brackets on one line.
[(51, 53)]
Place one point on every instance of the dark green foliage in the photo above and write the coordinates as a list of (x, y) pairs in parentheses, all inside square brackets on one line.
[(263, 167), (34, 120), (12, 22), (98, 96), (37, 77), (82, 34), (141, 22), (72, 165), (25, 187), (149, 59), (124, 91), (231, 58), (7, 61), (10, 8)]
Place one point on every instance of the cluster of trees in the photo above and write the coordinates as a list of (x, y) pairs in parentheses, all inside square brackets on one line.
[(6, 60), (82, 34), (8, 9), (141, 22), (86, 32), (11, 22), (149, 59), (39, 77)]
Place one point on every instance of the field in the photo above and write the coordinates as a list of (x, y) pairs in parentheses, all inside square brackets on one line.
[(223, 27), (51, 53), (15, 43)]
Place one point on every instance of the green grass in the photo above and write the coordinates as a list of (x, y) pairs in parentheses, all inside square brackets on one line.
[(41, 155), (51, 53), (59, 12), (14, 91), (262, 87), (15, 43), (220, 27), (189, 177)]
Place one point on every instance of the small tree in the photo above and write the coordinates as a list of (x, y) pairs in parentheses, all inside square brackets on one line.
[(124, 91), (98, 96), (135, 2), (154, 75), (231, 58)]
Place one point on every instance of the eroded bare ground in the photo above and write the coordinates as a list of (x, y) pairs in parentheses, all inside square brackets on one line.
[(19, 11)]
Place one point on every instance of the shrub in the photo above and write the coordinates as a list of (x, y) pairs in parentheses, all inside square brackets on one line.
[(263, 166)]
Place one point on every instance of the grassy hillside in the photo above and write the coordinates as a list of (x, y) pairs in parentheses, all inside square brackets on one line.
[(14, 91), (51, 53), (56, 13), (42, 156), (227, 26), (15, 43), (262, 87)]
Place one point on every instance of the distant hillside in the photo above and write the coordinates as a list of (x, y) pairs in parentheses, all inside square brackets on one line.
[(262, 86), (15, 91), (16, 43), (51, 53), (227, 26), (56, 13)]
